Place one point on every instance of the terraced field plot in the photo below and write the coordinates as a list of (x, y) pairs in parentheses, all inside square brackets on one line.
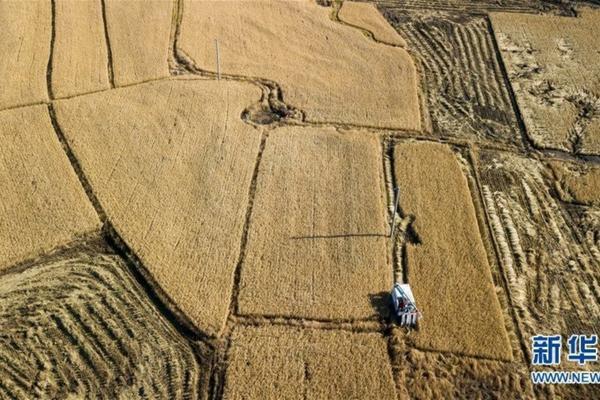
[(303, 50), (551, 270), (139, 35), (462, 79), (71, 328), (287, 363), (472, 6), (317, 242), (25, 51), (448, 267), (552, 63), (80, 61), (42, 204), (150, 152)]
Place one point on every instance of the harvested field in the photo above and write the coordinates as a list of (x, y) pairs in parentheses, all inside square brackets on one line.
[(366, 16), (474, 6), (577, 183), (463, 83), (25, 43), (448, 268), (549, 261), (430, 375), (317, 242), (552, 64), (79, 326), (304, 51), (150, 152), (80, 55), (42, 204), (288, 363), (139, 35)]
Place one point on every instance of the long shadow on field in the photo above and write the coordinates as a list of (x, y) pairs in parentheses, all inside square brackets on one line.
[(340, 235)]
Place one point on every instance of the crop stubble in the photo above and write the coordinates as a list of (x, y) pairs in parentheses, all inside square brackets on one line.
[(78, 326), (317, 235), (150, 152), (461, 77), (449, 270), (290, 363), (552, 65), (549, 261), (321, 65), (42, 204)]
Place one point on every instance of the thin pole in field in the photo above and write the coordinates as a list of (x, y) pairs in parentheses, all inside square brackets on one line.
[(218, 60), (397, 192)]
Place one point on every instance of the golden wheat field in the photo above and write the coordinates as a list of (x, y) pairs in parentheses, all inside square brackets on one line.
[(299, 199)]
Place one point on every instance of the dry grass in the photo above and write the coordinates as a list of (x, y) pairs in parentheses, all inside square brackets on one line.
[(171, 164), (42, 203), (331, 71), (80, 327), (139, 33), (432, 375), (25, 44), (288, 363), (80, 57), (367, 17), (550, 266), (317, 239), (449, 271), (552, 63), (577, 183)]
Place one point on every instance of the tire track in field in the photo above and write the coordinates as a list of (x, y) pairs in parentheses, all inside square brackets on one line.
[(465, 91), (80, 326)]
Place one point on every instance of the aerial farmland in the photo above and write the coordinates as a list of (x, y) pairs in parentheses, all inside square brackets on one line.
[(299, 199)]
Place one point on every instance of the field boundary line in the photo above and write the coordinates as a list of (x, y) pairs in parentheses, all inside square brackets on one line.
[(109, 56)]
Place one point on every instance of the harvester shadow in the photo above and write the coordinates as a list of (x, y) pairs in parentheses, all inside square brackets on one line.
[(382, 303)]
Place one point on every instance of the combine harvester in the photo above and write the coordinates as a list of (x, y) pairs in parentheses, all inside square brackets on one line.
[(404, 305), (403, 300)]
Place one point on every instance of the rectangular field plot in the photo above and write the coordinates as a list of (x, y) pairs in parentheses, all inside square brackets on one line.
[(317, 236), (139, 35), (550, 259), (448, 270), (553, 67), (462, 80), (25, 44), (288, 363)]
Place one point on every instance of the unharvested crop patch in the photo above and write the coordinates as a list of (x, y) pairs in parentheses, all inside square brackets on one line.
[(171, 163), (366, 16), (432, 375), (288, 363), (317, 235), (139, 34), (333, 72), (549, 264), (449, 270), (462, 80), (80, 55), (42, 204), (552, 64), (25, 43), (79, 326)]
